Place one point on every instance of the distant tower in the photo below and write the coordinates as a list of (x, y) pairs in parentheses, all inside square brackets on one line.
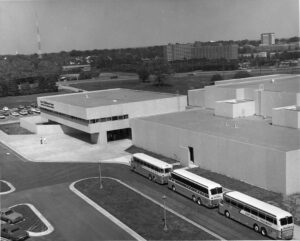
[(38, 37)]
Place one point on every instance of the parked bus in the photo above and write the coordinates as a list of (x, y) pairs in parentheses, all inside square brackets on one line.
[(261, 216), (199, 189), (156, 170)]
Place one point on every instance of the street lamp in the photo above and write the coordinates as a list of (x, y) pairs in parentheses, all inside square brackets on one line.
[(165, 214), (100, 177)]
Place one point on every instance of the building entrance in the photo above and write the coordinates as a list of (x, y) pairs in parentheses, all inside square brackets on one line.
[(119, 134)]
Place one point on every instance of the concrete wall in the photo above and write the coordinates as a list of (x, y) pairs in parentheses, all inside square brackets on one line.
[(234, 110), (287, 118), (292, 172), (258, 165), (36, 124), (196, 97), (270, 100), (213, 94)]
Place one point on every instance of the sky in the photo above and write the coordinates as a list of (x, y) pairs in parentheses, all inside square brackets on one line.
[(105, 24)]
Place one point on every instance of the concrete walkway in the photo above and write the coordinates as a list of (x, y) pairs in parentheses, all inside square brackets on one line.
[(64, 148)]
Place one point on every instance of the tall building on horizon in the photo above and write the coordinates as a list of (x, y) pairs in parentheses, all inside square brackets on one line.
[(267, 38), (173, 52)]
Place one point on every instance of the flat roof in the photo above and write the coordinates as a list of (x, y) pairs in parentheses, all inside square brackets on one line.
[(286, 83), (107, 97), (252, 130)]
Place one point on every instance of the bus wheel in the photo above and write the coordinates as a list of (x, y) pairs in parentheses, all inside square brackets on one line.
[(173, 188), (199, 201), (149, 177), (194, 198), (227, 214), (263, 232), (256, 228)]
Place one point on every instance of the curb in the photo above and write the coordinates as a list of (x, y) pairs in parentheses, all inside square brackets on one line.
[(41, 217), (72, 188), (104, 212), (12, 188)]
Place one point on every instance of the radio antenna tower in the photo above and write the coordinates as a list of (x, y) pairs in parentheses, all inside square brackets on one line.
[(38, 37)]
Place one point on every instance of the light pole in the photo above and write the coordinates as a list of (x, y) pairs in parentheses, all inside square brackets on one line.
[(100, 177), (165, 214)]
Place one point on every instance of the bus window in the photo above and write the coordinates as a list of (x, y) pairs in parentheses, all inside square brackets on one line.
[(167, 170), (241, 206), (283, 221), (216, 190), (254, 212), (290, 220), (261, 215), (233, 203), (247, 209)]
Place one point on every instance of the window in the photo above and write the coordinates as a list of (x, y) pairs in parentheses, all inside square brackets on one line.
[(247, 209), (191, 150), (233, 203), (241, 206), (269, 219), (254, 212), (227, 199), (261, 215)]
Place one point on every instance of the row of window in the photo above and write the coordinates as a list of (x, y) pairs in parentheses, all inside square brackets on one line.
[(249, 209), (64, 115), (160, 170), (113, 118), (189, 184), (93, 121)]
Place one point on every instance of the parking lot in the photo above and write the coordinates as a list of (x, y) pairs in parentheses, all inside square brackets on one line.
[(13, 113)]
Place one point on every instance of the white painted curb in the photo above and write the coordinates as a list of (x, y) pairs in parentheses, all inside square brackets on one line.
[(72, 188), (12, 188), (104, 212), (44, 220)]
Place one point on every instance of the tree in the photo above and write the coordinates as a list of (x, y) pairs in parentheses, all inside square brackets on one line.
[(242, 74), (215, 77), (143, 74)]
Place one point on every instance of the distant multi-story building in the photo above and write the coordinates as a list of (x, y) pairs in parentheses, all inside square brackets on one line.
[(216, 52), (177, 51), (267, 38)]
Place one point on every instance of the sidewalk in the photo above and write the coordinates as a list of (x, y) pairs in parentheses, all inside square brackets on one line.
[(296, 232)]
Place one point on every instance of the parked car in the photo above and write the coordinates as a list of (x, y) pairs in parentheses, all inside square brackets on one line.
[(30, 112), (34, 105), (23, 112), (6, 113), (13, 232), (2, 117), (10, 216), (21, 107), (5, 108), (15, 114), (36, 110)]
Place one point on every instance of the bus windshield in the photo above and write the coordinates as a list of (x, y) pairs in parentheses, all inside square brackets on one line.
[(167, 170), (285, 221), (216, 190)]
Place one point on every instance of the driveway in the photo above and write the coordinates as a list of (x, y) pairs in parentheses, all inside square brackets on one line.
[(70, 216)]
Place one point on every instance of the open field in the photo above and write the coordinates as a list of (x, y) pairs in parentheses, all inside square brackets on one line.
[(15, 101), (137, 212), (172, 85)]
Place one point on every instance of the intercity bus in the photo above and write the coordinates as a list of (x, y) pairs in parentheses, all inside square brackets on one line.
[(261, 216), (156, 170), (199, 189)]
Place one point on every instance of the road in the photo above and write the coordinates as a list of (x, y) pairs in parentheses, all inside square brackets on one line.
[(46, 186)]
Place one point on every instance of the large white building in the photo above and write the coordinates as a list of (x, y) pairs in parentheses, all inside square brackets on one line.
[(239, 128), (105, 114)]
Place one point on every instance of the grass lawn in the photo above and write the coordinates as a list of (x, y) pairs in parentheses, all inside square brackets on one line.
[(15, 101), (138, 213), (172, 85), (4, 187), (32, 222), (14, 129)]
